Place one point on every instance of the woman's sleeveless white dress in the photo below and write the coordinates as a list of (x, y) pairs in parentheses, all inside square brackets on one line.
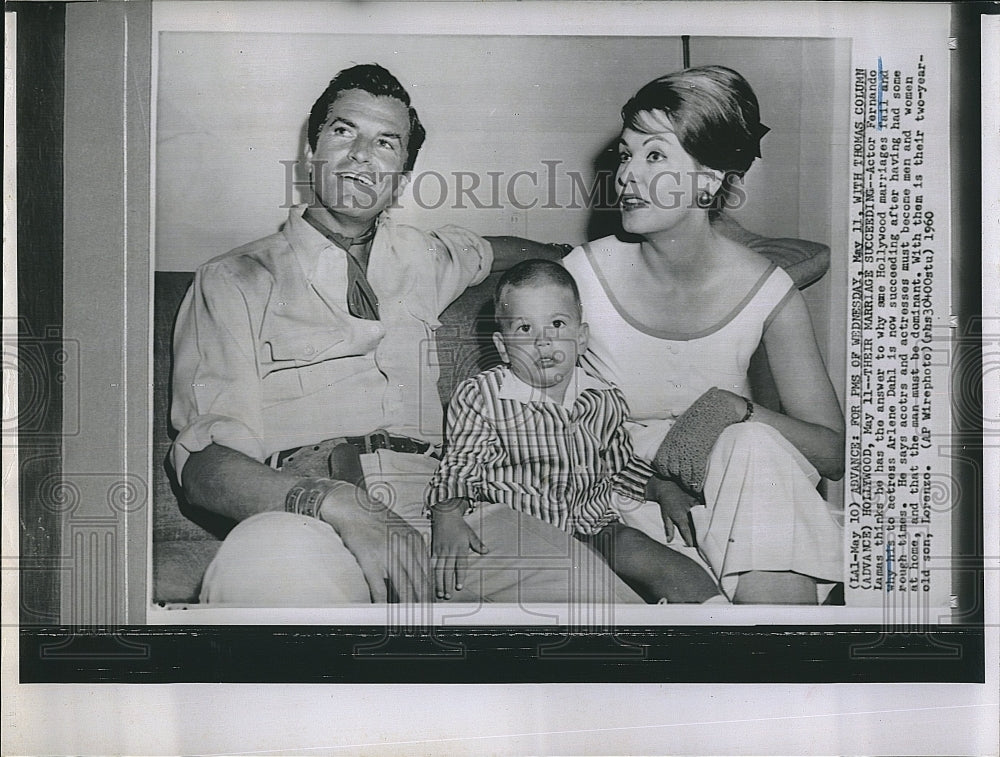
[(762, 508)]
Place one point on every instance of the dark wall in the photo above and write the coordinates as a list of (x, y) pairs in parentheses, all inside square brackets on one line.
[(40, 93)]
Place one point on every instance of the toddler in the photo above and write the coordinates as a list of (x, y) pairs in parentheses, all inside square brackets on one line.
[(541, 435)]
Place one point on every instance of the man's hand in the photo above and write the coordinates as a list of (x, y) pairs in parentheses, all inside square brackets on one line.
[(383, 543), (675, 506), (451, 540)]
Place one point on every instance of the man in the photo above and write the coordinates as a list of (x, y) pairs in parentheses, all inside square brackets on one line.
[(307, 357)]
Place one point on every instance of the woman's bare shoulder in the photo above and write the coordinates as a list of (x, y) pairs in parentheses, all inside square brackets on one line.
[(739, 260)]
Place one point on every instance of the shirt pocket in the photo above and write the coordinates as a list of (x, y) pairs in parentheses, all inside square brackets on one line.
[(295, 347), (298, 362), (286, 344)]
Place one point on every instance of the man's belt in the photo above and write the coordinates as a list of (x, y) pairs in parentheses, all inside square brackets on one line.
[(380, 439)]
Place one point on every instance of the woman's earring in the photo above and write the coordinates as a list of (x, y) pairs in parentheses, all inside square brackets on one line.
[(704, 199)]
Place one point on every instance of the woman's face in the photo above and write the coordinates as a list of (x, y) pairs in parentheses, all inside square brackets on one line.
[(658, 182)]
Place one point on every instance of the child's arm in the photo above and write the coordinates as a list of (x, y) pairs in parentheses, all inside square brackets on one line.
[(629, 473), (653, 570), (634, 478), (458, 483), (451, 540), (675, 504), (637, 480), (472, 445)]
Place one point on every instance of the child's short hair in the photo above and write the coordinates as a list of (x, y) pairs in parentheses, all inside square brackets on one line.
[(534, 272)]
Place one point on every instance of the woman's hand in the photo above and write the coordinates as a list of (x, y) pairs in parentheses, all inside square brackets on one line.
[(675, 507), (451, 540), (684, 452), (735, 401), (386, 547)]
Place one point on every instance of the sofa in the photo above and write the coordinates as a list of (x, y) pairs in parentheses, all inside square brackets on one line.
[(185, 538)]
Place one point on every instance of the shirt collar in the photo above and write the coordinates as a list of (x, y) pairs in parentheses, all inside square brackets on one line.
[(512, 388), (309, 244), (342, 241)]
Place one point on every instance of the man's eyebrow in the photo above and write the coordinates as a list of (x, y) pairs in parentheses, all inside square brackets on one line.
[(348, 122), (341, 119)]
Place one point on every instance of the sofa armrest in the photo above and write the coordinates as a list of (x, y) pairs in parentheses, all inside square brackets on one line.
[(806, 262)]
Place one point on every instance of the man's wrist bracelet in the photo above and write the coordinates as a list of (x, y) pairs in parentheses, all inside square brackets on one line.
[(307, 495), (750, 409)]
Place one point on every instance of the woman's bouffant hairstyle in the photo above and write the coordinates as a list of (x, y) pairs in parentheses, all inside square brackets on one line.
[(378, 82), (713, 111)]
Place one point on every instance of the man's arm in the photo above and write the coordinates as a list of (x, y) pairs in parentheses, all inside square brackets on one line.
[(385, 546), (508, 251), (461, 259), (215, 387), (217, 400), (216, 403), (229, 483)]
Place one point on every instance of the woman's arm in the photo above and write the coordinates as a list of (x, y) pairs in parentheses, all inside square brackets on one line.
[(812, 419)]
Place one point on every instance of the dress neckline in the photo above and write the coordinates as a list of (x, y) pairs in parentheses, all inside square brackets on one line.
[(674, 336)]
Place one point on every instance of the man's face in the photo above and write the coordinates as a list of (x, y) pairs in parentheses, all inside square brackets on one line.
[(359, 157)]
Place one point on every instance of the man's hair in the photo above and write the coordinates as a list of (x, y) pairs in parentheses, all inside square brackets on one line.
[(378, 82), (534, 272), (713, 111)]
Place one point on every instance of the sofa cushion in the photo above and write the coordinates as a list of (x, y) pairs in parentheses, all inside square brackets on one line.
[(178, 567)]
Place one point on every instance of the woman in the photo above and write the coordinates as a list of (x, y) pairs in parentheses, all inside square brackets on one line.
[(675, 316)]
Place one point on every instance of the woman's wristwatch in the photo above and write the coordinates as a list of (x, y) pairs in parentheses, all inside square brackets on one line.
[(749, 414)]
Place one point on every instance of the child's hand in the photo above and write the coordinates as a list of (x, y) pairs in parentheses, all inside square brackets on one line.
[(675, 506), (451, 540)]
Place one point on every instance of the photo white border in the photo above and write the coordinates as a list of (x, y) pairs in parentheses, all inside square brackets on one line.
[(678, 719)]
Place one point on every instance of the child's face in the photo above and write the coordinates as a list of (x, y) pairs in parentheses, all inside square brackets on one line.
[(541, 335)]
